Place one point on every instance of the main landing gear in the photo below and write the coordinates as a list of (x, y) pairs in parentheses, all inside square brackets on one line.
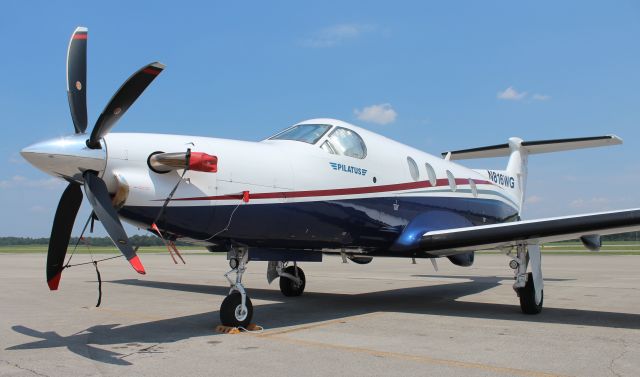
[(528, 286), (292, 280), (236, 309)]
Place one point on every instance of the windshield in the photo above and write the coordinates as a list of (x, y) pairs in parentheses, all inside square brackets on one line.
[(308, 133)]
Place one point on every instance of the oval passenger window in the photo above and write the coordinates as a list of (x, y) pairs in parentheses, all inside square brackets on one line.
[(413, 169), (433, 179), (474, 189), (452, 181)]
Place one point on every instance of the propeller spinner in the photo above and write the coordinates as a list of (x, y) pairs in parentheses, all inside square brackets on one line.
[(79, 159)]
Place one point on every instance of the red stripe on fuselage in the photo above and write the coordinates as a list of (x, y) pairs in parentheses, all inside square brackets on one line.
[(337, 192)]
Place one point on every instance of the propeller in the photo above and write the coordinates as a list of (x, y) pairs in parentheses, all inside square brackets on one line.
[(77, 78), (61, 232), (122, 100), (98, 195), (94, 186)]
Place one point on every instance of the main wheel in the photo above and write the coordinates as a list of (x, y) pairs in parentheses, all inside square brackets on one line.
[(528, 297), (289, 287), (231, 313)]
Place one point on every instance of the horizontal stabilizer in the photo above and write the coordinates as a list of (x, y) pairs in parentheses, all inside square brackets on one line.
[(533, 147)]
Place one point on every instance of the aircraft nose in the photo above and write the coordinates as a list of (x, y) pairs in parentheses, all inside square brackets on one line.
[(66, 157)]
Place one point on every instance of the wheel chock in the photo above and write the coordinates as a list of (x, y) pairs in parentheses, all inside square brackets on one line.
[(254, 327), (227, 329), (235, 330)]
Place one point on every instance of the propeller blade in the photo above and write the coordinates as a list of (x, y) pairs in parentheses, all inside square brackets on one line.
[(61, 233), (122, 100), (98, 196), (77, 78)]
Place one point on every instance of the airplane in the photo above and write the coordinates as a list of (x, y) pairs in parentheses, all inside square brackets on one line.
[(321, 186)]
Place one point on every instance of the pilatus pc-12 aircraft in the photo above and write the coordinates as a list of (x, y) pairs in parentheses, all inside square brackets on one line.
[(320, 186)]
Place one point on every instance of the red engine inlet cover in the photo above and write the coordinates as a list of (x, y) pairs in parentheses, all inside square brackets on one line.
[(200, 161)]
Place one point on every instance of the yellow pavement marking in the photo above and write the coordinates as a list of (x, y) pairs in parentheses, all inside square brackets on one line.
[(280, 336), (316, 325), (420, 358)]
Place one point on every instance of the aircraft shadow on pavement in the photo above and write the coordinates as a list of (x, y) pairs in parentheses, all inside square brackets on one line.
[(439, 299)]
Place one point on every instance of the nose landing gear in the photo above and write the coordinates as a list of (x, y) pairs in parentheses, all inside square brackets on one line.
[(236, 309)]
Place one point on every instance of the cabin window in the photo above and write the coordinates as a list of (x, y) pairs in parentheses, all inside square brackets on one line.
[(307, 133), (452, 181), (345, 142), (413, 169), (474, 189), (431, 173)]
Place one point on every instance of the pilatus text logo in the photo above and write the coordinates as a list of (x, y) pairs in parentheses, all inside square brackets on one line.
[(348, 168), (502, 179)]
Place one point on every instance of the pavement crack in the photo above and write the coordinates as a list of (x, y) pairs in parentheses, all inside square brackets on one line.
[(23, 368), (625, 349), (148, 349)]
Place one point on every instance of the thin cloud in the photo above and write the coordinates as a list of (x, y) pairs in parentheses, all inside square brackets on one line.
[(510, 94), (380, 114), (335, 35), (18, 181), (595, 203), (541, 97), (38, 209), (15, 159)]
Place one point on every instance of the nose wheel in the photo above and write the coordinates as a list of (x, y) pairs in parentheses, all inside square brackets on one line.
[(233, 313), (236, 309)]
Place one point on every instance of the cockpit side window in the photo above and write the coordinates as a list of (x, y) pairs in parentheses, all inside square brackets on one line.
[(345, 142), (327, 147), (307, 133)]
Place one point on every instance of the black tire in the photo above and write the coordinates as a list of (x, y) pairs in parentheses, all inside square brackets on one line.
[(528, 297), (289, 287), (231, 307)]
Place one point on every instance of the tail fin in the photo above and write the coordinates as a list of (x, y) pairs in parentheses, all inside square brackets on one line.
[(519, 150)]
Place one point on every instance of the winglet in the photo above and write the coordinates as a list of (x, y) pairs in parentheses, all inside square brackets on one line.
[(137, 265)]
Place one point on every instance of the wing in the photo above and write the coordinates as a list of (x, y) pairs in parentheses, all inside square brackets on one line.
[(507, 235)]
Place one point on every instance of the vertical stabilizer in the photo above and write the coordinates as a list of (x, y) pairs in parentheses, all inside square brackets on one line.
[(517, 168)]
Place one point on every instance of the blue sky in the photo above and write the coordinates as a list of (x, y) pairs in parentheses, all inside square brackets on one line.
[(435, 75)]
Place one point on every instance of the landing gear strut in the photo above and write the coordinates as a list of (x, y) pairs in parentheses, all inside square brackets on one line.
[(528, 286), (236, 309)]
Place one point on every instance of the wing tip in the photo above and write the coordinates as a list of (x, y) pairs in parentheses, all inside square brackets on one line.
[(615, 139)]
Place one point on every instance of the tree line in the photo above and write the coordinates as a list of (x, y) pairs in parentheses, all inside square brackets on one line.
[(136, 240)]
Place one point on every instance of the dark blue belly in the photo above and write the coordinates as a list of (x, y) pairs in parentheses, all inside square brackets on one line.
[(372, 224)]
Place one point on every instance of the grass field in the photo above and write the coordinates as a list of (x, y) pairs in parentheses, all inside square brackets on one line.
[(95, 249), (560, 248)]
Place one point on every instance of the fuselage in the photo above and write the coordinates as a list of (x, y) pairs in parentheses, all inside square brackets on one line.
[(294, 194)]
